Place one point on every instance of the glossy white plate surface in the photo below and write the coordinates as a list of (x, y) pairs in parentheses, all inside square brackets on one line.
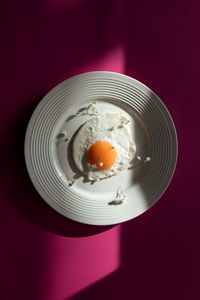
[(49, 139)]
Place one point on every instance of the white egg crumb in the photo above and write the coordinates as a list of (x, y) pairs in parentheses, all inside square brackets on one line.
[(147, 159), (70, 182), (144, 159), (61, 137), (119, 199), (91, 109), (124, 120)]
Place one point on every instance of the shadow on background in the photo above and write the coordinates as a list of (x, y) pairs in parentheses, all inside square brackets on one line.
[(40, 46), (160, 249), (49, 45), (22, 195)]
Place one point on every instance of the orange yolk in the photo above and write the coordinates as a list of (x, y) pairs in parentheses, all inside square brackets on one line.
[(102, 154)]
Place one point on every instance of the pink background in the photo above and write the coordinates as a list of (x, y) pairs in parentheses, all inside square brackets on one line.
[(44, 256)]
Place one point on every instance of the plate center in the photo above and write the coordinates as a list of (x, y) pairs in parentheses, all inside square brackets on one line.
[(62, 141)]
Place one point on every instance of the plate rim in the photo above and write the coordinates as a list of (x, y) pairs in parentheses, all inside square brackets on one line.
[(42, 103)]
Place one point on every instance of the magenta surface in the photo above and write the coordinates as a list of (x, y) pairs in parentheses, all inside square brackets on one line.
[(44, 256)]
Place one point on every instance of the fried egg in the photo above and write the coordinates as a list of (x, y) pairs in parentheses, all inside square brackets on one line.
[(103, 147)]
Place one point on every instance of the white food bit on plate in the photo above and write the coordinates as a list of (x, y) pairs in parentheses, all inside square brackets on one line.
[(147, 159), (124, 120), (120, 195), (70, 181), (120, 198), (61, 137), (144, 158), (90, 109)]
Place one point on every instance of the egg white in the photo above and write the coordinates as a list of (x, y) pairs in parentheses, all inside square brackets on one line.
[(111, 127)]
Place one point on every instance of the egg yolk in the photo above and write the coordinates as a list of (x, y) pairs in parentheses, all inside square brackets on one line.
[(102, 154)]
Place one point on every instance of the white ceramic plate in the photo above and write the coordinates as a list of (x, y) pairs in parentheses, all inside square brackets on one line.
[(48, 150)]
